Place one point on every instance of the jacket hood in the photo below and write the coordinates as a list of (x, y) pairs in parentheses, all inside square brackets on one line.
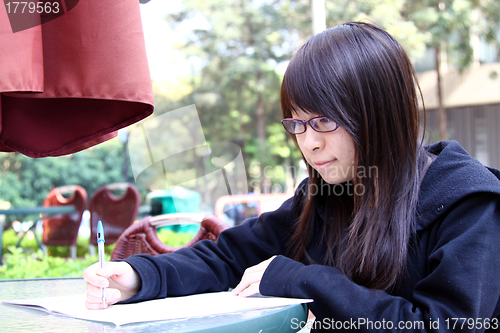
[(453, 175)]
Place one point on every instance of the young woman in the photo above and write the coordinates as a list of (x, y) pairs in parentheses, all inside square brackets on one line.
[(382, 230)]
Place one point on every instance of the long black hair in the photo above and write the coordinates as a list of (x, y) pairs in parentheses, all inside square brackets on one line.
[(360, 76)]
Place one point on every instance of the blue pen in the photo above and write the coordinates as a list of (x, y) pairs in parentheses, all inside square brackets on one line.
[(100, 251)]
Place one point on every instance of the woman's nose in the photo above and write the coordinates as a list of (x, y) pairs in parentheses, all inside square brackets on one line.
[(312, 140)]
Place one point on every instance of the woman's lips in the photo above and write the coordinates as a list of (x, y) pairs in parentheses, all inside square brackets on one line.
[(321, 165)]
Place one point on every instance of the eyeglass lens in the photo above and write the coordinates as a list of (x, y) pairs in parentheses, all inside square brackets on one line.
[(319, 124)]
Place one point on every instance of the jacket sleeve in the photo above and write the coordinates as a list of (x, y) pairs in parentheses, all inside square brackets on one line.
[(459, 292), (214, 266)]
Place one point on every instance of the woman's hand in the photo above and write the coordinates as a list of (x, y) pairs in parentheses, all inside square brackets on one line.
[(119, 278), (250, 281)]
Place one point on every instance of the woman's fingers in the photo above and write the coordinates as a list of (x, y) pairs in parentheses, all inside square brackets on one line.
[(252, 289), (118, 278), (94, 306), (91, 276), (250, 277), (93, 290), (94, 302), (111, 293), (111, 274), (250, 282)]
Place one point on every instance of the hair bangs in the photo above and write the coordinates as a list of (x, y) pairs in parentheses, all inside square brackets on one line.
[(300, 91)]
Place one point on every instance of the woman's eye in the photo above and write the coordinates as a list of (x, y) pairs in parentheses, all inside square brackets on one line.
[(324, 120)]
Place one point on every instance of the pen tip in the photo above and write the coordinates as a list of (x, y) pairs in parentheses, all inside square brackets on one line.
[(100, 232)]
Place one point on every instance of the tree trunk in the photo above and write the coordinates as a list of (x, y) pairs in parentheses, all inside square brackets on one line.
[(443, 132), (261, 136)]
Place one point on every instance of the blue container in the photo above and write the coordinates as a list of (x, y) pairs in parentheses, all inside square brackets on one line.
[(178, 200)]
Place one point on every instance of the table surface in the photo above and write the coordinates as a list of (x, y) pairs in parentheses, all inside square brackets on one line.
[(49, 210), (20, 319)]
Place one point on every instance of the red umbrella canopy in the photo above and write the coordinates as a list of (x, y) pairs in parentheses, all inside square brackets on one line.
[(71, 79)]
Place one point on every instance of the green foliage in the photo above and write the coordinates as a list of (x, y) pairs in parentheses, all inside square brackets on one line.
[(453, 23), (29, 245), (28, 262), (21, 265), (388, 14), (173, 238), (26, 181), (236, 82), (10, 239)]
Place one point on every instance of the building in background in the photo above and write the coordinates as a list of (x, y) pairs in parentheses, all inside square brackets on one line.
[(472, 102)]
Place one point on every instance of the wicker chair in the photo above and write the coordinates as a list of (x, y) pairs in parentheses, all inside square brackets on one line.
[(117, 206), (62, 229), (141, 237)]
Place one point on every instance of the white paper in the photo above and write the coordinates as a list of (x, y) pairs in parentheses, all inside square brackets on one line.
[(200, 305)]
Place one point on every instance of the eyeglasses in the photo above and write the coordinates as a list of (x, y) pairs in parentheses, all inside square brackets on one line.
[(319, 124)]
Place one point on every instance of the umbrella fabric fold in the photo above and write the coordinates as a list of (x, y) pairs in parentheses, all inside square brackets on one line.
[(72, 82)]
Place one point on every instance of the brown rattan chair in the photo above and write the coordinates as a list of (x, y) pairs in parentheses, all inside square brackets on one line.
[(117, 206), (62, 229), (141, 237)]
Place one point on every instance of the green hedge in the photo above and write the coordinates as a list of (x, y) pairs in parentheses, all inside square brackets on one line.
[(10, 238), (28, 262), (18, 264)]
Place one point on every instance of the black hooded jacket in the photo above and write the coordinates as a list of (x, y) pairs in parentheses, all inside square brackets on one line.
[(453, 279)]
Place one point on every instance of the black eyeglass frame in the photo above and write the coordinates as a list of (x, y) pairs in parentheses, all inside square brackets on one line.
[(308, 122)]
